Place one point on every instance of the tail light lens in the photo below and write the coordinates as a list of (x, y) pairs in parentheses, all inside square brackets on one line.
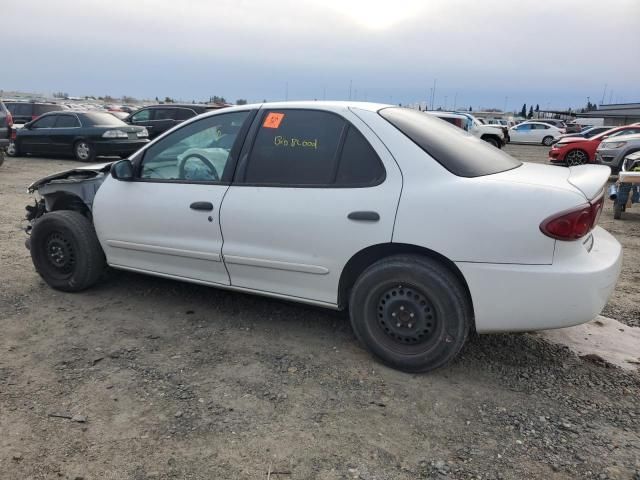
[(9, 119), (575, 223), (14, 133)]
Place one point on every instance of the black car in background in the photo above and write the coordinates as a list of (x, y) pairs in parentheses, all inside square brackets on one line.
[(588, 132), (24, 112), (6, 122), (82, 134), (158, 119)]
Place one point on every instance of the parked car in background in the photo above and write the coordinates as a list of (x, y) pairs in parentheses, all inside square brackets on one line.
[(550, 121), (613, 150), (488, 133), (587, 132), (577, 150), (84, 135), (534, 132), (276, 181), (157, 119), (6, 123), (24, 112), (119, 115), (574, 128)]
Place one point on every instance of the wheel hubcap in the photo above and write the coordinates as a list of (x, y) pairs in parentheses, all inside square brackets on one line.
[(83, 150), (60, 253), (406, 315)]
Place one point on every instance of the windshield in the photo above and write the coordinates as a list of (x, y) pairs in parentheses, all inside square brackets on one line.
[(603, 134), (459, 152), (95, 119)]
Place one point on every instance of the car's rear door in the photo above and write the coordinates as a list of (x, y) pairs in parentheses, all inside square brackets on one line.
[(312, 188), (166, 221)]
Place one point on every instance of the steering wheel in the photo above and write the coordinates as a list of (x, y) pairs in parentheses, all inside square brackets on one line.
[(205, 161)]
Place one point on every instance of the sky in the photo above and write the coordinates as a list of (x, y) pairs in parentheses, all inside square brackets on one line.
[(489, 53)]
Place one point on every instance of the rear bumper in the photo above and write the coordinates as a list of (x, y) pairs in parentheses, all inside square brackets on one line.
[(573, 290), (125, 147)]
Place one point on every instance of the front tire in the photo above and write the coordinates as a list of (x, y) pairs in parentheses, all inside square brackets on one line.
[(84, 151), (66, 252), (411, 312), (576, 157), (13, 150), (493, 141), (547, 141)]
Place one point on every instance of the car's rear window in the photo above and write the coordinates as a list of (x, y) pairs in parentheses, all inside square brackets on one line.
[(95, 119), (459, 152)]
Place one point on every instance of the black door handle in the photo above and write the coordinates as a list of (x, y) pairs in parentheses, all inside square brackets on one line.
[(364, 216), (205, 206)]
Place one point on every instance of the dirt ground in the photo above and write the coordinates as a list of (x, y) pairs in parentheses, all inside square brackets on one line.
[(144, 378)]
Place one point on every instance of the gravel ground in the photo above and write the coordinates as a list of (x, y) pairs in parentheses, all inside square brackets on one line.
[(144, 378)]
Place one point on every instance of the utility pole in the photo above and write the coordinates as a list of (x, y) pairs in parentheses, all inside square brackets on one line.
[(455, 100), (603, 94), (429, 101), (611, 97), (445, 102), (433, 92)]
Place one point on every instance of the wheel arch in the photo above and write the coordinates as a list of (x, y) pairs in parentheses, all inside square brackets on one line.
[(66, 201), (366, 257)]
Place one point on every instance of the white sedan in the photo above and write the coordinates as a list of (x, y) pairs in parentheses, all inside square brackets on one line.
[(422, 231), (534, 132)]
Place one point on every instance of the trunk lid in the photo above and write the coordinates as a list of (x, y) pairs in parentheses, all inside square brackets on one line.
[(585, 180)]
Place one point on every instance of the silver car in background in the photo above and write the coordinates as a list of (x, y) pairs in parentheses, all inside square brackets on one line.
[(612, 151)]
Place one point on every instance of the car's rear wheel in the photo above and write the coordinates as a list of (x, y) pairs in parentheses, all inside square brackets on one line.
[(547, 141), (617, 210), (576, 157), (66, 252), (411, 312), (83, 151)]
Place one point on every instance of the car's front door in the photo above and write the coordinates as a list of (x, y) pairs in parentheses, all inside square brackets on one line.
[(166, 221), (312, 188), (64, 133), (522, 133), (37, 137)]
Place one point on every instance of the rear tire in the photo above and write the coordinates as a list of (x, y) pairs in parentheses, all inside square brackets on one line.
[(617, 211), (547, 141), (84, 151), (411, 312), (66, 252)]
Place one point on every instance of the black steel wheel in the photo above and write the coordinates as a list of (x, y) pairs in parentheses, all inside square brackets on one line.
[(65, 251), (411, 312)]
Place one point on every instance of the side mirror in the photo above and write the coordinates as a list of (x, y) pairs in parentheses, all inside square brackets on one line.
[(122, 170)]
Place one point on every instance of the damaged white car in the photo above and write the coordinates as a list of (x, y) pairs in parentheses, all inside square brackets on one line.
[(421, 230)]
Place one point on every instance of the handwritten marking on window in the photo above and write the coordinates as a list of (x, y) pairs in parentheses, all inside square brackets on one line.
[(293, 142)]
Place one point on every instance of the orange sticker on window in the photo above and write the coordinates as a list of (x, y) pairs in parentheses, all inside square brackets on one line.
[(273, 120)]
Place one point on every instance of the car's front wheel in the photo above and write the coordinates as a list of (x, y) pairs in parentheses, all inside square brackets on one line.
[(66, 252), (13, 150), (576, 157), (411, 312), (83, 151)]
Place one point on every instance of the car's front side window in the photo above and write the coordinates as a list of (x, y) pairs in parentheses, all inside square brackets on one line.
[(198, 152), (45, 122), (141, 116)]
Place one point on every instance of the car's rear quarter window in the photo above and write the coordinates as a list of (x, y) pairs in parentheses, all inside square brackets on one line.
[(459, 152)]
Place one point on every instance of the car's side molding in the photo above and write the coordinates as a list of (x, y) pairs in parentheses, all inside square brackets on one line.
[(276, 265), (176, 252)]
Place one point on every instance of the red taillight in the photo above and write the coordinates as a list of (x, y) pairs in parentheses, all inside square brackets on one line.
[(575, 223), (13, 133), (9, 119)]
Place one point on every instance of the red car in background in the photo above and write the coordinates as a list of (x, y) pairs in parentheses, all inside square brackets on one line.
[(573, 151)]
